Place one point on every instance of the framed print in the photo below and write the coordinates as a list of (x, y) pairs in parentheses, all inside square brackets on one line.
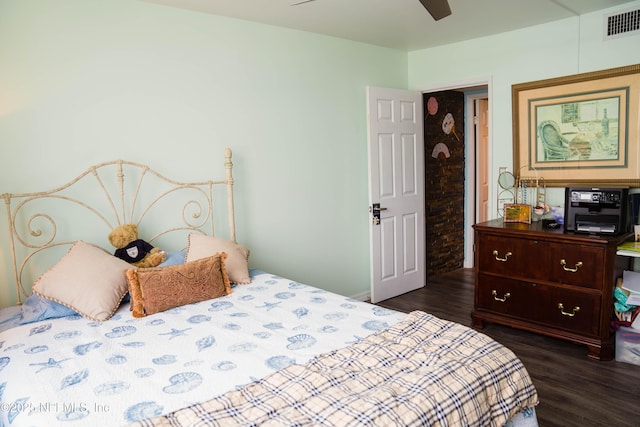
[(580, 129), (516, 212)]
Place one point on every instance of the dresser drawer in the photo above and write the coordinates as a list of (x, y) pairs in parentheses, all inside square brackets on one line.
[(540, 303), (513, 257), (577, 265), (573, 311), (507, 296)]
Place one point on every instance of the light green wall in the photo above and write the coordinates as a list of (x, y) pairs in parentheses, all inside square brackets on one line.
[(565, 47), (86, 81)]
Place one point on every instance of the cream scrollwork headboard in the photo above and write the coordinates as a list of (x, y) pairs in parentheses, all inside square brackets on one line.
[(43, 225)]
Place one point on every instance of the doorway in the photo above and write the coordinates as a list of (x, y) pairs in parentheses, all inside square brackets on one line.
[(444, 148), (478, 164), (467, 208)]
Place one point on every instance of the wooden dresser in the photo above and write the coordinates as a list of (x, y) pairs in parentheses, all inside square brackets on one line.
[(547, 281)]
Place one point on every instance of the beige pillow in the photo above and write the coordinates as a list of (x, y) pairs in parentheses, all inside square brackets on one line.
[(88, 280), (158, 289), (237, 262)]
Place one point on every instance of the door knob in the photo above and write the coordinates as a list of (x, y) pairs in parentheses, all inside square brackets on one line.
[(375, 210)]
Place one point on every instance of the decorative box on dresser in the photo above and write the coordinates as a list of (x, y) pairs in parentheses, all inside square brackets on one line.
[(547, 281)]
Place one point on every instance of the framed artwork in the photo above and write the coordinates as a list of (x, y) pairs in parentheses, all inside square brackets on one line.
[(579, 129), (517, 212)]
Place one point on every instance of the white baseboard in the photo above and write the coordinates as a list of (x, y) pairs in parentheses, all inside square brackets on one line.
[(365, 296)]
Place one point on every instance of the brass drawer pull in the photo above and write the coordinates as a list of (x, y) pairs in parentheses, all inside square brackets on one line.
[(506, 256), (497, 298), (564, 313), (563, 263)]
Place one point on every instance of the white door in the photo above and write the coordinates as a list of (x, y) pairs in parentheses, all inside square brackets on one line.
[(396, 186)]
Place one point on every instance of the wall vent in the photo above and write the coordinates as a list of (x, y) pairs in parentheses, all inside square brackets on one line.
[(622, 24)]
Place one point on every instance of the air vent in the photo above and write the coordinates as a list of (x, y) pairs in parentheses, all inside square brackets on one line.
[(622, 24)]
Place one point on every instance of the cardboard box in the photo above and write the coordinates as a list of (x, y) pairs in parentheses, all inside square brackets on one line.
[(628, 345)]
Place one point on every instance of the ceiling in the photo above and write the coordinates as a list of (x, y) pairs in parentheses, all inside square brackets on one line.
[(398, 24)]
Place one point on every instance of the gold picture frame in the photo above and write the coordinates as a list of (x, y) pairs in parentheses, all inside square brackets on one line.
[(517, 212), (579, 129)]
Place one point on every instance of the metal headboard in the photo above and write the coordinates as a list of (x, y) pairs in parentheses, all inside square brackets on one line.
[(44, 225)]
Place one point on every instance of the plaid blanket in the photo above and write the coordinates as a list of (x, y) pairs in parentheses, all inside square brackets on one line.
[(421, 371)]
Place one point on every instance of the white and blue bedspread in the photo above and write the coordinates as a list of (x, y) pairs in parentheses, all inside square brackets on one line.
[(72, 371)]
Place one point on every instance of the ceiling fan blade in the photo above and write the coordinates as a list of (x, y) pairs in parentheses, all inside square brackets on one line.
[(437, 8)]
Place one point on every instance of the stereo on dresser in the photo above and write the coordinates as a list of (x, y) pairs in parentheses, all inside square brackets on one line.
[(596, 210)]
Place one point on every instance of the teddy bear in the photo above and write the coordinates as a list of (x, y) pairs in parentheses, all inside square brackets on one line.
[(133, 250)]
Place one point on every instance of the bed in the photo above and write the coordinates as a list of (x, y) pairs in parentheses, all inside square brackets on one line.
[(203, 339)]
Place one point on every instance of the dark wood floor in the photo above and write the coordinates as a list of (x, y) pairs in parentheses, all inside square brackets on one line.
[(573, 390)]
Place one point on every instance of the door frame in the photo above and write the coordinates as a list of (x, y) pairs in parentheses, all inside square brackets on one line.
[(471, 172), (470, 153)]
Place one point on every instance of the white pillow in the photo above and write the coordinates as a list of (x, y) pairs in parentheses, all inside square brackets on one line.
[(88, 280), (237, 262)]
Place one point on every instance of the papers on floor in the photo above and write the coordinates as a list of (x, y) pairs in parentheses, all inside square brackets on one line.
[(631, 283)]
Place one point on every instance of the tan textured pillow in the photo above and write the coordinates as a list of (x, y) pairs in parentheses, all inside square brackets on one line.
[(88, 280), (237, 263), (160, 288)]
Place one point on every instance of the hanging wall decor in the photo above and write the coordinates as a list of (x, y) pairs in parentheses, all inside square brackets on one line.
[(440, 148), (580, 129), (449, 125), (432, 106)]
